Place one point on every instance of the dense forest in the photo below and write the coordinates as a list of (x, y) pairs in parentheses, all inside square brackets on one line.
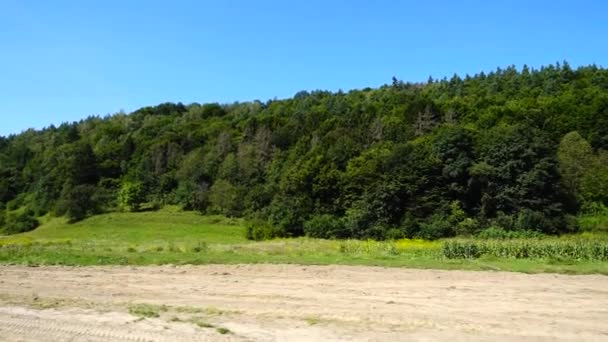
[(517, 149)]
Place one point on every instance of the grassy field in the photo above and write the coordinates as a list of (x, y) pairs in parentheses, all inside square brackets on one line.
[(175, 237)]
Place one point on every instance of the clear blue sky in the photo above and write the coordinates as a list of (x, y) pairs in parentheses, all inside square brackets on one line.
[(64, 60)]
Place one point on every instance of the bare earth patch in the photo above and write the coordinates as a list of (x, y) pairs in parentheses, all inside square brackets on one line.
[(291, 303)]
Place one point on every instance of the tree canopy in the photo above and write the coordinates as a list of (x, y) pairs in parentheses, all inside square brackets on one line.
[(513, 149)]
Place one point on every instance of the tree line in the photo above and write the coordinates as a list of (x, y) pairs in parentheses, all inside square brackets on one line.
[(515, 149)]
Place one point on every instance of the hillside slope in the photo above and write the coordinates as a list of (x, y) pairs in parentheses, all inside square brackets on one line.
[(517, 149)]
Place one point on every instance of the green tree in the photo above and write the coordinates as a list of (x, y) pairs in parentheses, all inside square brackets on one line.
[(585, 173), (521, 172), (131, 195), (17, 223), (576, 159), (223, 198), (78, 202), (385, 162)]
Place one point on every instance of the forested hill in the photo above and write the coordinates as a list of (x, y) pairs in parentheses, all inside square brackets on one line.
[(518, 149)]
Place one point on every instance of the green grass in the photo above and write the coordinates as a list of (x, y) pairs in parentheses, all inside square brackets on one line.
[(201, 324), (223, 330), (597, 222), (142, 228), (147, 310), (153, 238), (312, 320)]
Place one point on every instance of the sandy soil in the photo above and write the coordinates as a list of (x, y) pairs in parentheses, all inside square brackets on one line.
[(291, 303)]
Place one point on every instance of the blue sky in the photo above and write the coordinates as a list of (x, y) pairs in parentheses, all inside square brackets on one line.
[(65, 60)]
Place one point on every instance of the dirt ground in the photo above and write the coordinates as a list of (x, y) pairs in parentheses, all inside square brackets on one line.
[(297, 303)]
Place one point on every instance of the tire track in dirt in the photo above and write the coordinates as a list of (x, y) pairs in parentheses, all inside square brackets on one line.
[(21, 324)]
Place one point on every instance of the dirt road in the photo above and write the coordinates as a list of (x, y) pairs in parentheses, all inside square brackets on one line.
[(291, 303)]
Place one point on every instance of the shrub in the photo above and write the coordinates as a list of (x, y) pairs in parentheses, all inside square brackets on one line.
[(131, 196), (258, 230), (531, 220), (376, 231), (15, 203), (435, 228), (468, 226), (597, 221), (287, 214), (410, 225), (78, 202), (20, 223), (594, 208), (500, 233), (223, 330), (395, 234), (147, 310), (503, 221), (224, 199), (200, 247), (357, 220), (493, 232), (325, 227)]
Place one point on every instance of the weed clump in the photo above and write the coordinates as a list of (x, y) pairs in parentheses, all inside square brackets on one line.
[(200, 247), (223, 330), (147, 310)]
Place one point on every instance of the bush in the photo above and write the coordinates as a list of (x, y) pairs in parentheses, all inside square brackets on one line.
[(131, 196), (287, 214), (78, 202), (200, 247), (500, 233), (259, 230), (224, 199), (361, 221), (594, 208), (531, 220), (376, 231), (21, 223), (325, 227), (410, 225), (503, 221), (394, 234), (15, 203), (595, 219), (468, 226), (435, 228)]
